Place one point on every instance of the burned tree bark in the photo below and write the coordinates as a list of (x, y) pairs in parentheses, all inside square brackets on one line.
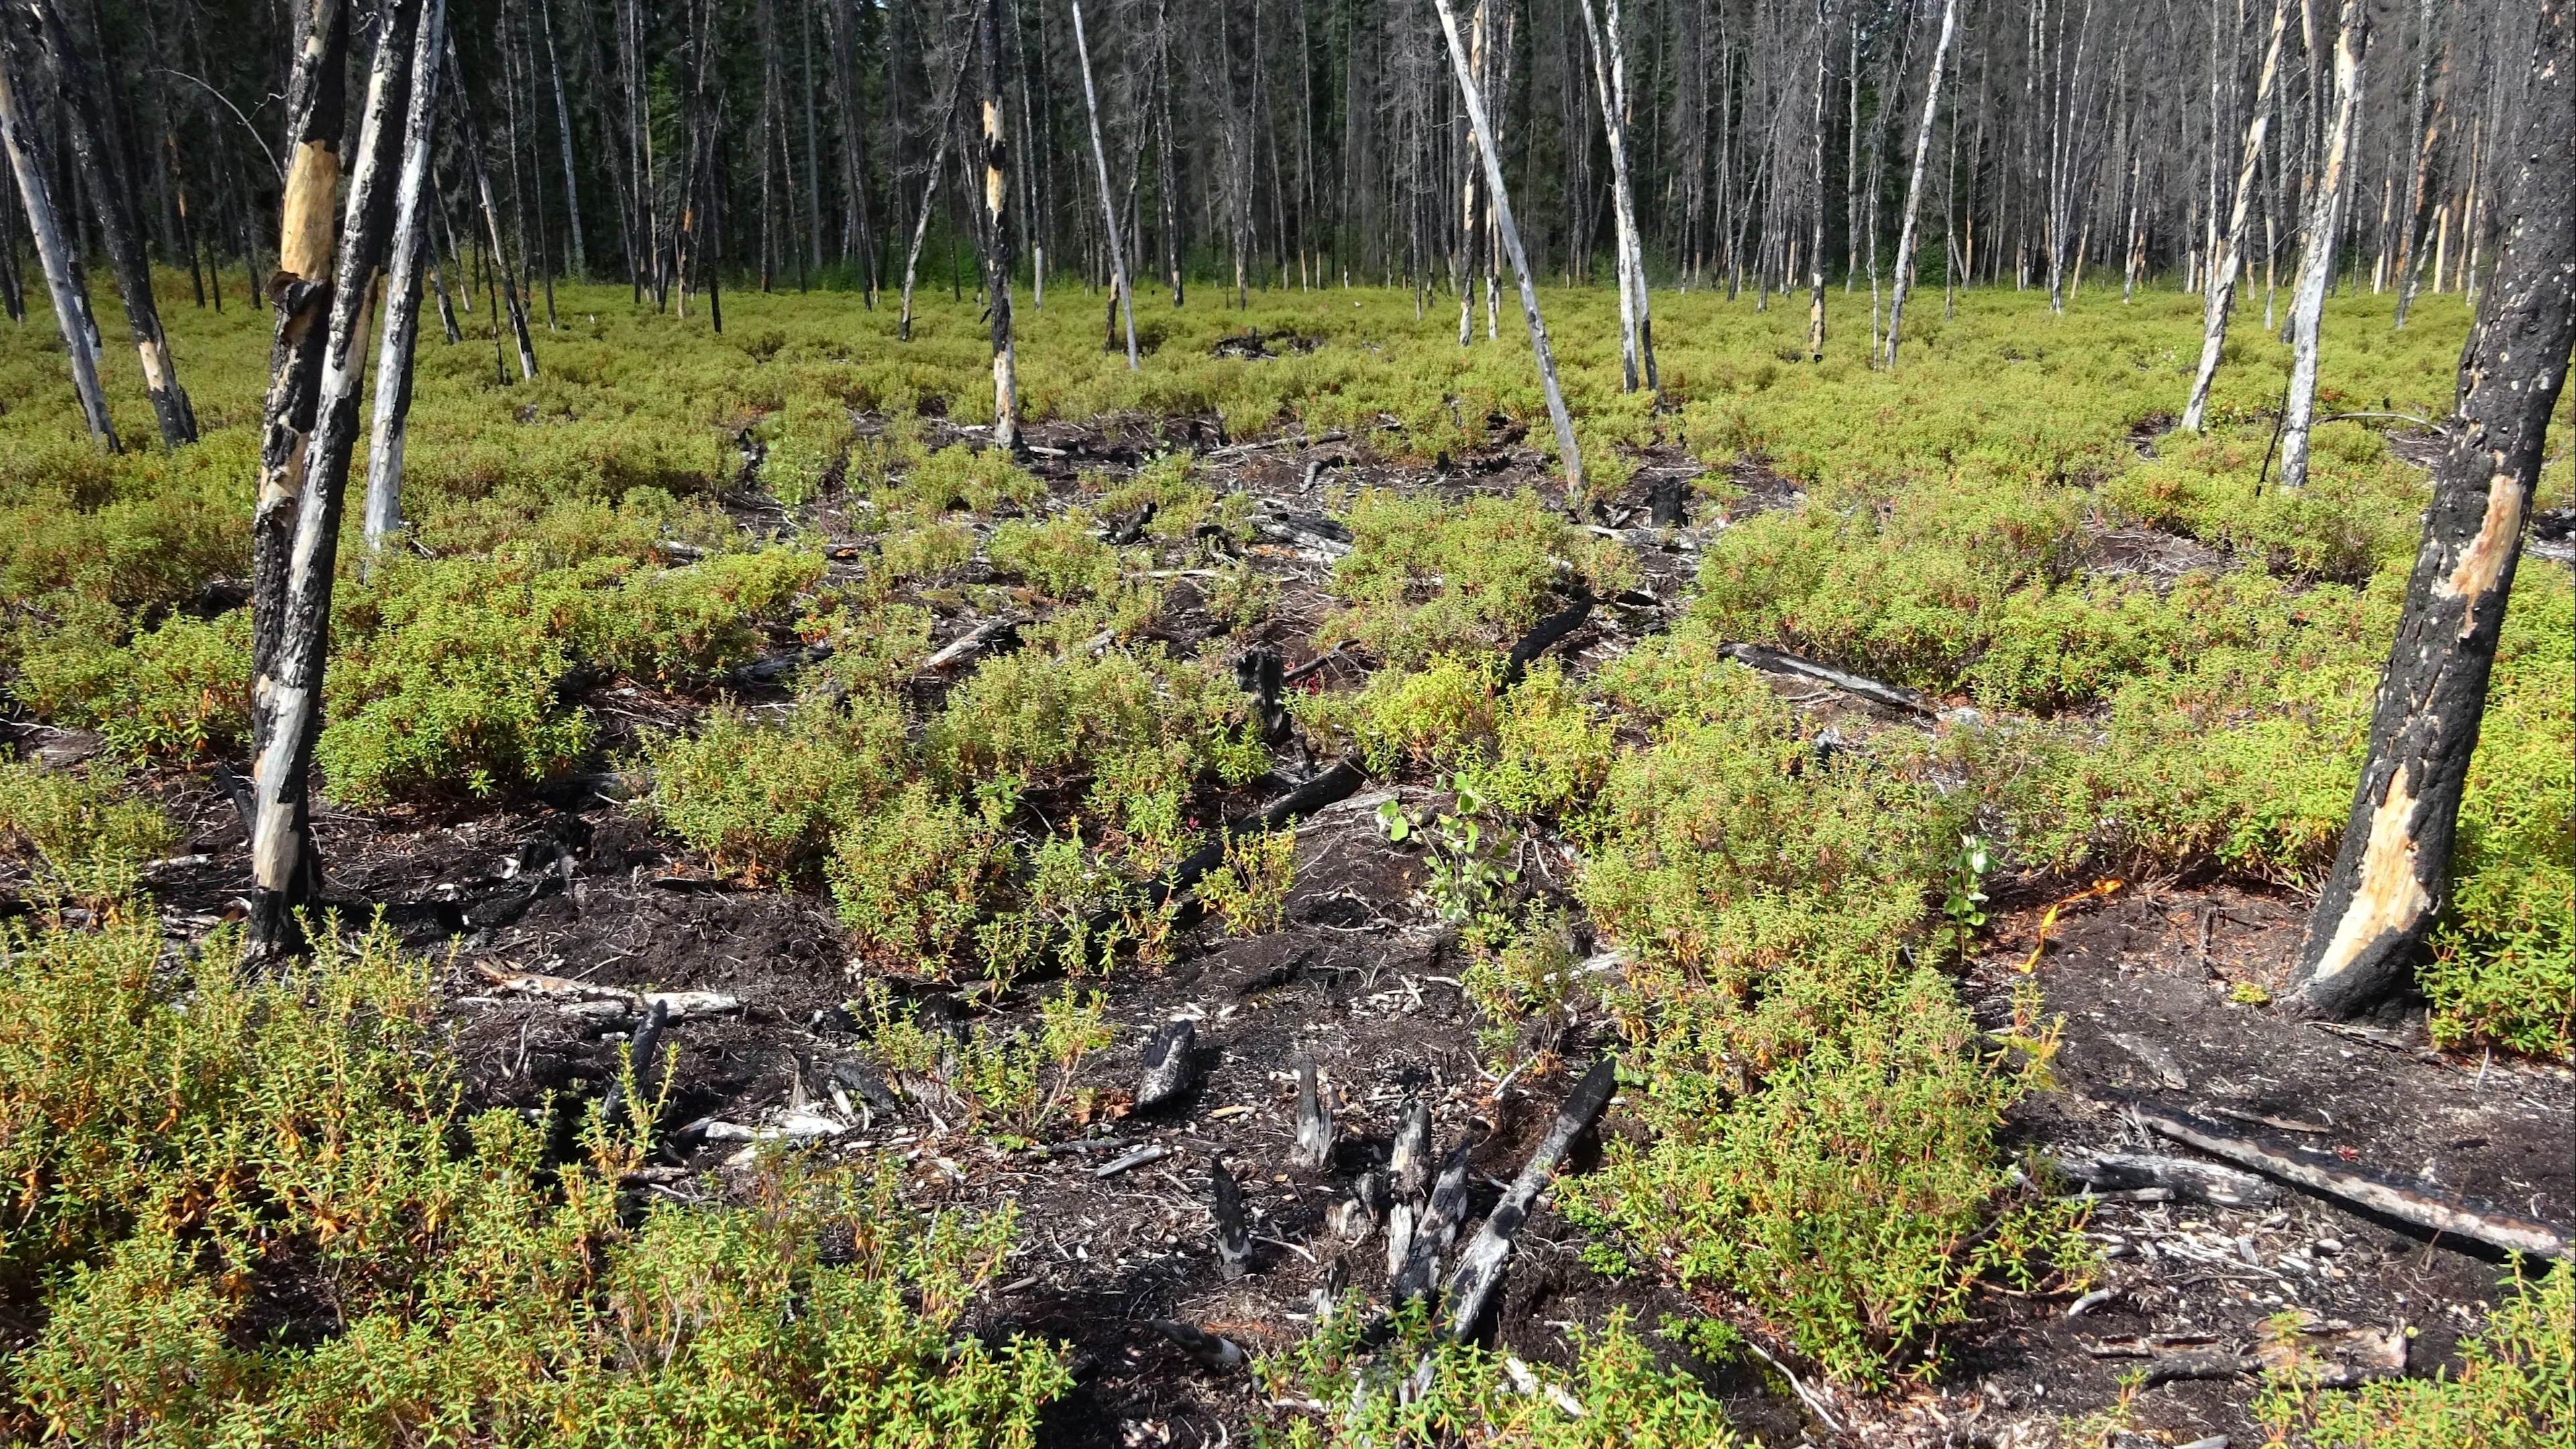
[(2316, 258), (998, 257), (2222, 294), (383, 513), (1480, 1268), (1914, 188), (1511, 238), (1108, 204), (2393, 871), (111, 203), (295, 591), (54, 256), (300, 294)]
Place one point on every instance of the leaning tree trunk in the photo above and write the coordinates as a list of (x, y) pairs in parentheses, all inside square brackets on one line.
[(514, 303), (54, 255), (1108, 204), (402, 286), (2222, 296), (300, 293), (2316, 259), (2391, 876), (1914, 188), (1510, 233), (286, 704), (998, 258), (112, 206)]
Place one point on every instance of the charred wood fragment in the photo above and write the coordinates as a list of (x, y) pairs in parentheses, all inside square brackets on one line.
[(1313, 1150), (1481, 1266), (1209, 1349), (1544, 635), (1233, 1233), (1411, 1163), (1168, 1072)]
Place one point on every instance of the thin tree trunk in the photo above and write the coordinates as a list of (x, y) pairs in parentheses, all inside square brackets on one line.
[(383, 515), (1108, 204), (947, 114), (111, 204), (470, 135), (579, 263), (997, 235), (286, 702), (1623, 218), (2421, 131), (1904, 277), (2222, 296), (2316, 262), (1163, 141), (55, 257), (2393, 872), (1816, 243), (1511, 237)]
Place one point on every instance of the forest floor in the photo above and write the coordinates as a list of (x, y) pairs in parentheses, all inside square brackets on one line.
[(2154, 980)]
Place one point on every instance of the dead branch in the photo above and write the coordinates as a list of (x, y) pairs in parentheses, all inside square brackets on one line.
[(1481, 1266), (1773, 661), (2440, 1212)]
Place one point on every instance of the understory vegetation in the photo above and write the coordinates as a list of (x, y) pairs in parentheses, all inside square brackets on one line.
[(2152, 663)]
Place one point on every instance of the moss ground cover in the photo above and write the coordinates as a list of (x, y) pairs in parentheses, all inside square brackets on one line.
[(2169, 663)]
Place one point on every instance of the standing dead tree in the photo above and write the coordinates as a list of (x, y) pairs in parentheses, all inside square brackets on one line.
[(2316, 257), (54, 256), (111, 205), (998, 257), (291, 588), (383, 513), (1509, 232), (1108, 203), (1914, 188), (947, 114), (514, 301), (2222, 295), (1610, 78), (2393, 870)]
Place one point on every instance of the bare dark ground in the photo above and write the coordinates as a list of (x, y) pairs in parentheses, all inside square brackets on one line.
[(1364, 980)]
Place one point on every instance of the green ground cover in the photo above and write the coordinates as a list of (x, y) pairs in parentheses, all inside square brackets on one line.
[(1818, 1113)]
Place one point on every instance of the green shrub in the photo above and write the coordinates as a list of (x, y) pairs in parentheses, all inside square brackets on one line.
[(193, 1157), (80, 831), (912, 876), (920, 553), (959, 476), (1487, 566), (762, 801), (1250, 890), (1060, 557), (453, 690), (179, 691)]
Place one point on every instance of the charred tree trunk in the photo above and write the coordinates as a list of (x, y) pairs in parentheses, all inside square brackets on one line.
[(54, 255), (1904, 277), (286, 705), (111, 204), (1509, 231), (402, 286), (998, 260), (1108, 203), (2393, 872), (1623, 218), (2222, 295), (2316, 260)]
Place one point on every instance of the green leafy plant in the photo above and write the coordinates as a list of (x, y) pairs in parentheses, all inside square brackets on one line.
[(1472, 851), (1249, 892)]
